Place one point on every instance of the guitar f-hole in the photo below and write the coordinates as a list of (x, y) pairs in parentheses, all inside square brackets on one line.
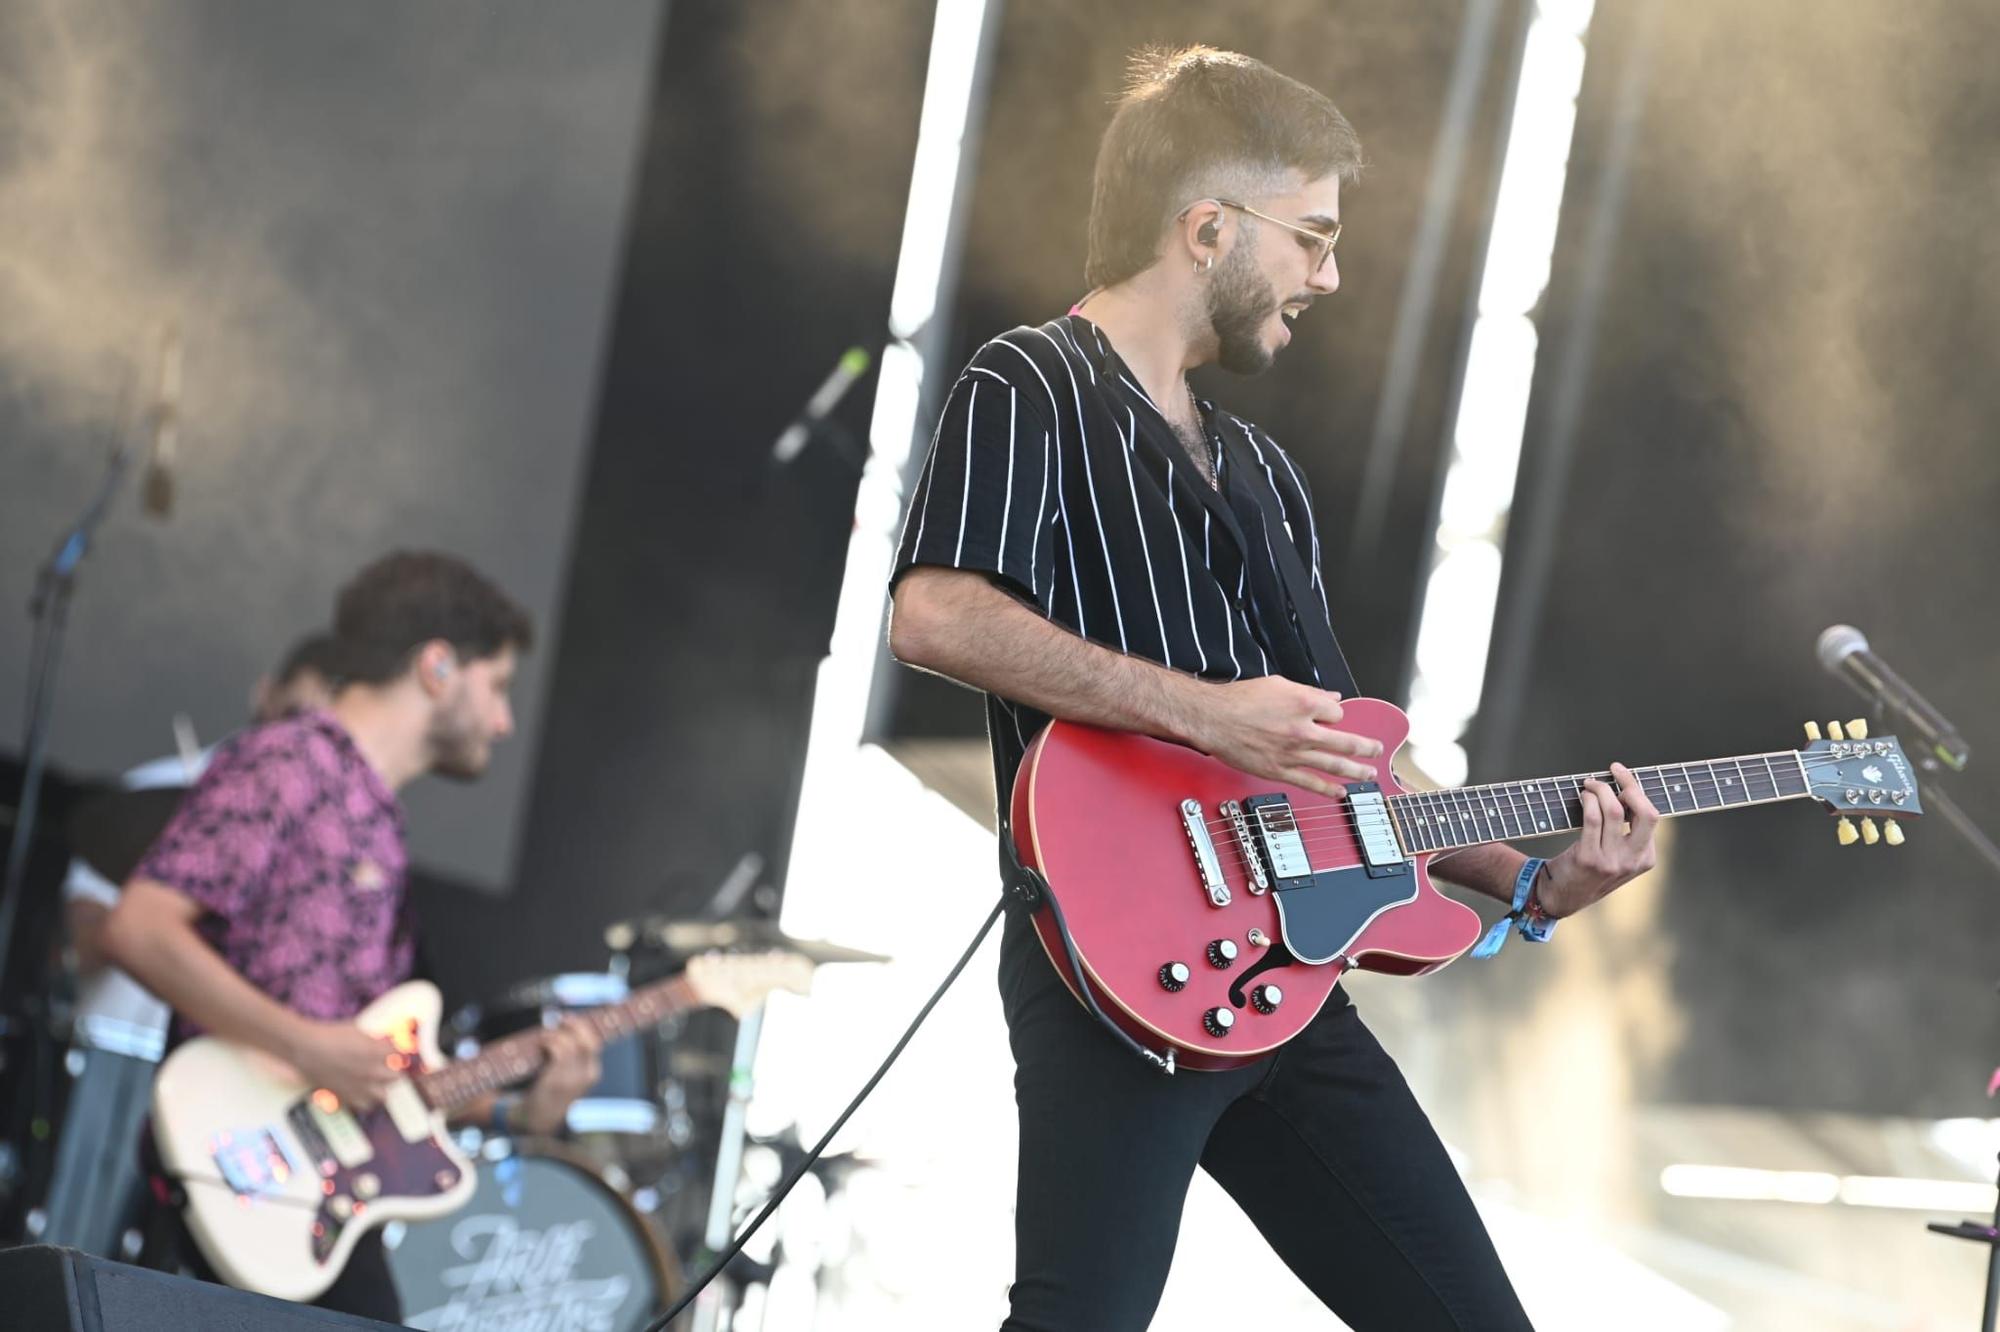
[(1277, 955)]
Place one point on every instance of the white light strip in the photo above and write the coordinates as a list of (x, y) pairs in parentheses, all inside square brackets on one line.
[(1455, 630), (821, 838), (1745, 1184)]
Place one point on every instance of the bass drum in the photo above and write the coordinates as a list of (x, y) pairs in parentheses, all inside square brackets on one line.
[(544, 1243)]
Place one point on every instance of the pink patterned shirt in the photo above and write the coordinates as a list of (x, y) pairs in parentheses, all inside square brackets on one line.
[(293, 846)]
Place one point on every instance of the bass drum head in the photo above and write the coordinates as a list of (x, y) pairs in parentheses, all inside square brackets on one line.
[(544, 1243)]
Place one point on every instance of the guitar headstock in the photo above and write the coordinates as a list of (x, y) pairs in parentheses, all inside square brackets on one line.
[(1851, 773), (738, 982)]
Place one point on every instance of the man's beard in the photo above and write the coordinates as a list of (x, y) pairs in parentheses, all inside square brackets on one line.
[(458, 751), (1239, 303)]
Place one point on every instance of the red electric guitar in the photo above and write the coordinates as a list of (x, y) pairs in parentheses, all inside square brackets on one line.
[(1213, 911)]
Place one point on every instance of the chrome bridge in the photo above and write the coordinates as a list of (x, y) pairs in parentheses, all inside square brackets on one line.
[(1253, 856), (1205, 858)]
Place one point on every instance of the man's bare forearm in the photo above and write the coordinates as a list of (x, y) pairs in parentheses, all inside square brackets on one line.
[(1490, 868), (959, 625), (148, 935)]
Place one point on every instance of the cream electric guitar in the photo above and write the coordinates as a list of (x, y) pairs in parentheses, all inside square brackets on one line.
[(282, 1180)]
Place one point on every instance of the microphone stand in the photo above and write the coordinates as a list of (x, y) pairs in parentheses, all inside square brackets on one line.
[(1935, 797), (1978, 1232), (55, 584)]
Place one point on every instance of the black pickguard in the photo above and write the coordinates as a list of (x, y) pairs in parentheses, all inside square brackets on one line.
[(1320, 919)]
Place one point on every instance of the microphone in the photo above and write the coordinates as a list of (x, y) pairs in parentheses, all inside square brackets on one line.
[(1843, 651), (791, 443), (159, 485)]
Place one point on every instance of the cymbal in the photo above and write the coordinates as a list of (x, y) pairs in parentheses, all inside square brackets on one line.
[(699, 936), (112, 832)]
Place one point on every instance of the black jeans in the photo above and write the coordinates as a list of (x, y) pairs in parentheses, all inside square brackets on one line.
[(1321, 1144)]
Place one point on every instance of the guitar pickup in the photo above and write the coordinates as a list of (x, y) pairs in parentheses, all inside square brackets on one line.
[(1380, 851), (1205, 858), (1278, 838), (346, 1141)]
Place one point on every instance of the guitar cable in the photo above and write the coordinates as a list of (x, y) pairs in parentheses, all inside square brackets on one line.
[(798, 1171), (1038, 886), (1024, 885)]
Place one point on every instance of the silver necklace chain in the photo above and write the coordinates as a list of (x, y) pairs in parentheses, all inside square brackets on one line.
[(1207, 455)]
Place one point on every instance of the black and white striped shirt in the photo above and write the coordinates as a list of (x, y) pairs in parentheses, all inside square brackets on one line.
[(1055, 474)]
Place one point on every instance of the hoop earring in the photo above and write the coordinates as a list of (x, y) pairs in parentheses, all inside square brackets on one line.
[(1204, 265)]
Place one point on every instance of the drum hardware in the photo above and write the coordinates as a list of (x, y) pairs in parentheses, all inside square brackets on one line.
[(670, 1101)]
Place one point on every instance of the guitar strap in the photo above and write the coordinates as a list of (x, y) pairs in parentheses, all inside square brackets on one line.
[(1289, 613)]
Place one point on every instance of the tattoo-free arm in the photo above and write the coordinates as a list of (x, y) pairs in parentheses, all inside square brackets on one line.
[(958, 624), (151, 933)]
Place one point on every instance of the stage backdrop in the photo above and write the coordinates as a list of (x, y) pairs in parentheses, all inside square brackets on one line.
[(388, 235)]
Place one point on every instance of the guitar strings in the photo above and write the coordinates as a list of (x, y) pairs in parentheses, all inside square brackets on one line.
[(1525, 793), (1322, 823), (1526, 786)]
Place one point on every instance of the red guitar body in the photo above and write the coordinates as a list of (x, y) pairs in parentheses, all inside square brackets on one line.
[(1102, 816)]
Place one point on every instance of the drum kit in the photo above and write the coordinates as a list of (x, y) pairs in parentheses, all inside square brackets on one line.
[(582, 1230), (585, 1232)]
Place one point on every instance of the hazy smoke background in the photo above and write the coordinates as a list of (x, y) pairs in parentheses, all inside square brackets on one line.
[(388, 238), (1788, 424)]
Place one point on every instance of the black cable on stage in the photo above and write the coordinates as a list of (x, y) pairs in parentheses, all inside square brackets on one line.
[(786, 1185)]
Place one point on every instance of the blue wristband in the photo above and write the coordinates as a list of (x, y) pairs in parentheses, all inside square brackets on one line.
[(1534, 927)]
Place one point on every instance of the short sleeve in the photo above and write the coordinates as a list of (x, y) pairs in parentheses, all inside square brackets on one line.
[(219, 846), (987, 499)]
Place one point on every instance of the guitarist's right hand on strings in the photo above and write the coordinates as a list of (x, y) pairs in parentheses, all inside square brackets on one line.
[(1280, 729), (348, 1062)]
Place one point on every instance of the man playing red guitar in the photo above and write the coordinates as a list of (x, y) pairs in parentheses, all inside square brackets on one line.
[(1091, 541), (271, 910)]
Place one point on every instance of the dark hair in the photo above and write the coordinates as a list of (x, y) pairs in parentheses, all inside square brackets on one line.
[(1191, 120), (408, 598), (319, 653)]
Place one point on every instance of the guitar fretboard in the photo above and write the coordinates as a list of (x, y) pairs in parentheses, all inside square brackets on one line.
[(514, 1059), (1469, 815)]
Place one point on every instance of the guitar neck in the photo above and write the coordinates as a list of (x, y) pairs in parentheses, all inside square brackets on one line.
[(1503, 811), (516, 1058)]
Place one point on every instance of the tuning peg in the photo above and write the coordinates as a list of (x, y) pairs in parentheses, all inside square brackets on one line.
[(1812, 730), (1833, 731), (1844, 830), (1858, 729), (1869, 832), (1892, 832)]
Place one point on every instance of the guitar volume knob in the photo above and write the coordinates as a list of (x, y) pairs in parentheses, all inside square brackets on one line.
[(1222, 953), (1266, 998), (1218, 1021), (1174, 976)]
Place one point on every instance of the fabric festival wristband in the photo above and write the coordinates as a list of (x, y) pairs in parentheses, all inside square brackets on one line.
[(1532, 926)]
